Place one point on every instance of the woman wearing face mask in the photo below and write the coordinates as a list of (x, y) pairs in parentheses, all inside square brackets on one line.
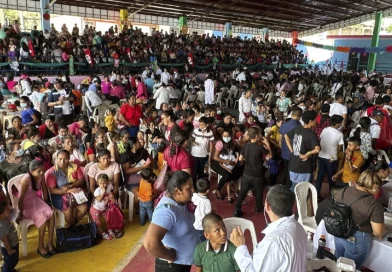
[(225, 146), (16, 162), (283, 102), (29, 116)]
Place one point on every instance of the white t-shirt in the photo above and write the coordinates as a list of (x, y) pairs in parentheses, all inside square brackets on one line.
[(338, 109), (203, 207), (375, 129), (101, 205), (330, 139), (202, 141), (66, 104)]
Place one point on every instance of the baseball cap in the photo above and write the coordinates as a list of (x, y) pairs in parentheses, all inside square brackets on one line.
[(23, 76), (47, 85), (377, 113)]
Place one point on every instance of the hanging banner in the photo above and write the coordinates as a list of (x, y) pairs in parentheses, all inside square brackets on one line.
[(347, 49), (228, 30), (183, 24), (294, 36), (87, 55)]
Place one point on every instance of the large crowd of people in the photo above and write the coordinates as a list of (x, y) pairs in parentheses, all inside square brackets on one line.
[(292, 126), (134, 46)]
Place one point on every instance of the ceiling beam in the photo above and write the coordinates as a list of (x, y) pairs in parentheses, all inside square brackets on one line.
[(144, 7)]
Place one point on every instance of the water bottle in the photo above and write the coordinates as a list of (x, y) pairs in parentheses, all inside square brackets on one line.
[(309, 255), (320, 249)]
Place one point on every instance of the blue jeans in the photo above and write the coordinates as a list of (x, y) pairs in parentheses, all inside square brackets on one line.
[(325, 167), (133, 130), (357, 250), (10, 261), (145, 207)]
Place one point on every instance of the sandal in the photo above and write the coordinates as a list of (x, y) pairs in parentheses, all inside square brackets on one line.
[(118, 234), (46, 255), (53, 251), (216, 195), (106, 236), (229, 199)]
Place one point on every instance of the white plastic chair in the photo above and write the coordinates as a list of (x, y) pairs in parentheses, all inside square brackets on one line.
[(86, 168), (99, 114), (25, 223), (218, 99), (383, 155), (228, 100), (129, 195), (301, 193), (57, 213), (268, 97), (245, 224)]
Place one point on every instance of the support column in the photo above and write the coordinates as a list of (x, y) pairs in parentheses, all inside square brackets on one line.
[(45, 24), (123, 18), (375, 40), (228, 30), (183, 24)]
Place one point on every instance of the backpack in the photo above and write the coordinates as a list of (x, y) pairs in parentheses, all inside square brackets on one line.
[(114, 217), (338, 218)]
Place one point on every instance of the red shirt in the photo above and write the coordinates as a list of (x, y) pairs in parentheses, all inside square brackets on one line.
[(132, 114), (182, 160)]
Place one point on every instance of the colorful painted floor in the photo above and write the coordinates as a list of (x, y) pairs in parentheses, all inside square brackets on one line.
[(103, 257)]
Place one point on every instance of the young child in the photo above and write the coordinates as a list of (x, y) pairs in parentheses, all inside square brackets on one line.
[(352, 163), (203, 205), (217, 252), (146, 195), (33, 138), (229, 157), (110, 122), (102, 195), (9, 239)]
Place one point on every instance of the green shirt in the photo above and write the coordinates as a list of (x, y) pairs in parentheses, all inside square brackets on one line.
[(223, 261)]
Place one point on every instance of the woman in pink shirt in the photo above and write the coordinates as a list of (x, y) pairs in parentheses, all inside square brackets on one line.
[(117, 90), (106, 85), (176, 156), (75, 127), (141, 89)]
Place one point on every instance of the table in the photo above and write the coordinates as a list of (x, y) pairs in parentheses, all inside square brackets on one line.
[(380, 256)]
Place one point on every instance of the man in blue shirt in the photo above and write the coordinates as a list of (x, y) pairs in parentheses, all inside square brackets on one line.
[(149, 84), (285, 152)]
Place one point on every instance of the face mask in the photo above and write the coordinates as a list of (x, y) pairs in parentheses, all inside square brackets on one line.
[(302, 107), (19, 152), (219, 112), (23, 105), (226, 139)]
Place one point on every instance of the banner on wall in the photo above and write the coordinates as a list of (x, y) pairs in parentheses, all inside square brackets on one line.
[(294, 36), (347, 49)]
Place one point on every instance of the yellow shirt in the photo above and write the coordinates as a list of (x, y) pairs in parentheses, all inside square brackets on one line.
[(109, 123), (27, 144), (276, 134), (357, 161)]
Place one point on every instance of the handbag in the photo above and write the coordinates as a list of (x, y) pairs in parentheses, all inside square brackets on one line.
[(114, 217), (76, 237), (159, 184)]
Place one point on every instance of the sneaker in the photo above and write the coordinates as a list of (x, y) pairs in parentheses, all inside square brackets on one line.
[(238, 213), (106, 236), (111, 233)]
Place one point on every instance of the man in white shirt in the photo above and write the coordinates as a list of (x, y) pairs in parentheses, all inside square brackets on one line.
[(245, 106), (165, 77), (284, 246), (162, 95), (339, 108), (25, 84), (241, 77), (331, 142), (209, 91), (92, 100)]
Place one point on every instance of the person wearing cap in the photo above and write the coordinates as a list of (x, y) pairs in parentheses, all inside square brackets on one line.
[(47, 87)]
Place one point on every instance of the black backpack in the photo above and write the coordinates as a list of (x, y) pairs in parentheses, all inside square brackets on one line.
[(338, 218)]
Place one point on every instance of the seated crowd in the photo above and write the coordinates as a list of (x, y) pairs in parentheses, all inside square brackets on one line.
[(289, 122), (134, 46)]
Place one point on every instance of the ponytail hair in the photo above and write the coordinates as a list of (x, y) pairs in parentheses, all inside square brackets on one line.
[(34, 165), (176, 180), (179, 138)]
